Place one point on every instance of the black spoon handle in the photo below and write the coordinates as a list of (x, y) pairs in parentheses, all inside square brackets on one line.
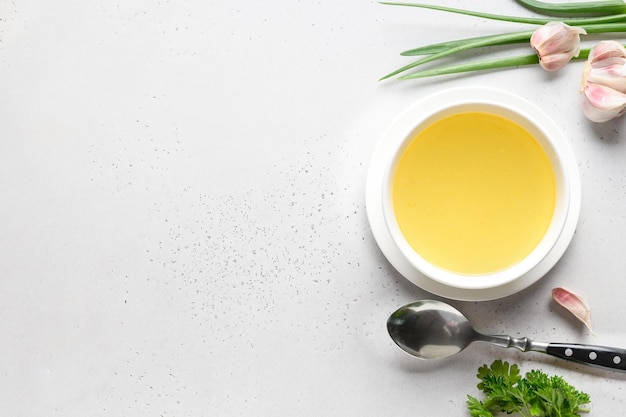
[(602, 356)]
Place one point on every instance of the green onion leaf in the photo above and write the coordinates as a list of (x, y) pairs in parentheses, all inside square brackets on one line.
[(438, 47), (586, 8), (605, 27), (491, 64), (472, 43), (475, 66), (517, 19)]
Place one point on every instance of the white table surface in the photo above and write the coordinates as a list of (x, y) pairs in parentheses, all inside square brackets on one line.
[(182, 220)]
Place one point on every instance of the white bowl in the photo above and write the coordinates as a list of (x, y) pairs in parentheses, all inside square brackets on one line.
[(448, 283)]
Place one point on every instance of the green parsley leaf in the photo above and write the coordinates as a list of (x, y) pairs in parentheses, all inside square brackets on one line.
[(535, 395)]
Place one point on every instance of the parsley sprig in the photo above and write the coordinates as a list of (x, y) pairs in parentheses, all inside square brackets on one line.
[(535, 395)]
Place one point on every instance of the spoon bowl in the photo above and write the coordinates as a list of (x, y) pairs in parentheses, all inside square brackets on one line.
[(430, 329)]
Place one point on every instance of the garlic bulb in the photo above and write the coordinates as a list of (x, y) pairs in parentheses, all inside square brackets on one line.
[(556, 44), (604, 82)]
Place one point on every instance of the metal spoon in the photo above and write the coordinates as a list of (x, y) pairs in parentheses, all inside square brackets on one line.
[(432, 329)]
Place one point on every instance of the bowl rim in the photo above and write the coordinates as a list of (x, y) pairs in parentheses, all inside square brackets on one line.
[(555, 144)]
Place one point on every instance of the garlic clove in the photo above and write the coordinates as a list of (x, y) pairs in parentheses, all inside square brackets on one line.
[(606, 50), (612, 76), (574, 303), (601, 103), (545, 32), (556, 43), (554, 62)]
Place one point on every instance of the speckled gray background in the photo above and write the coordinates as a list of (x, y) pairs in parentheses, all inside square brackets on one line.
[(182, 219)]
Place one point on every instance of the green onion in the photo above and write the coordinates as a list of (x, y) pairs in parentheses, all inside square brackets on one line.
[(605, 28), (438, 47), (585, 23), (517, 19), (492, 64), (466, 45), (475, 66), (586, 8)]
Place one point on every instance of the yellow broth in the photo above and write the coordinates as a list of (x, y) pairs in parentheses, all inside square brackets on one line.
[(474, 193)]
